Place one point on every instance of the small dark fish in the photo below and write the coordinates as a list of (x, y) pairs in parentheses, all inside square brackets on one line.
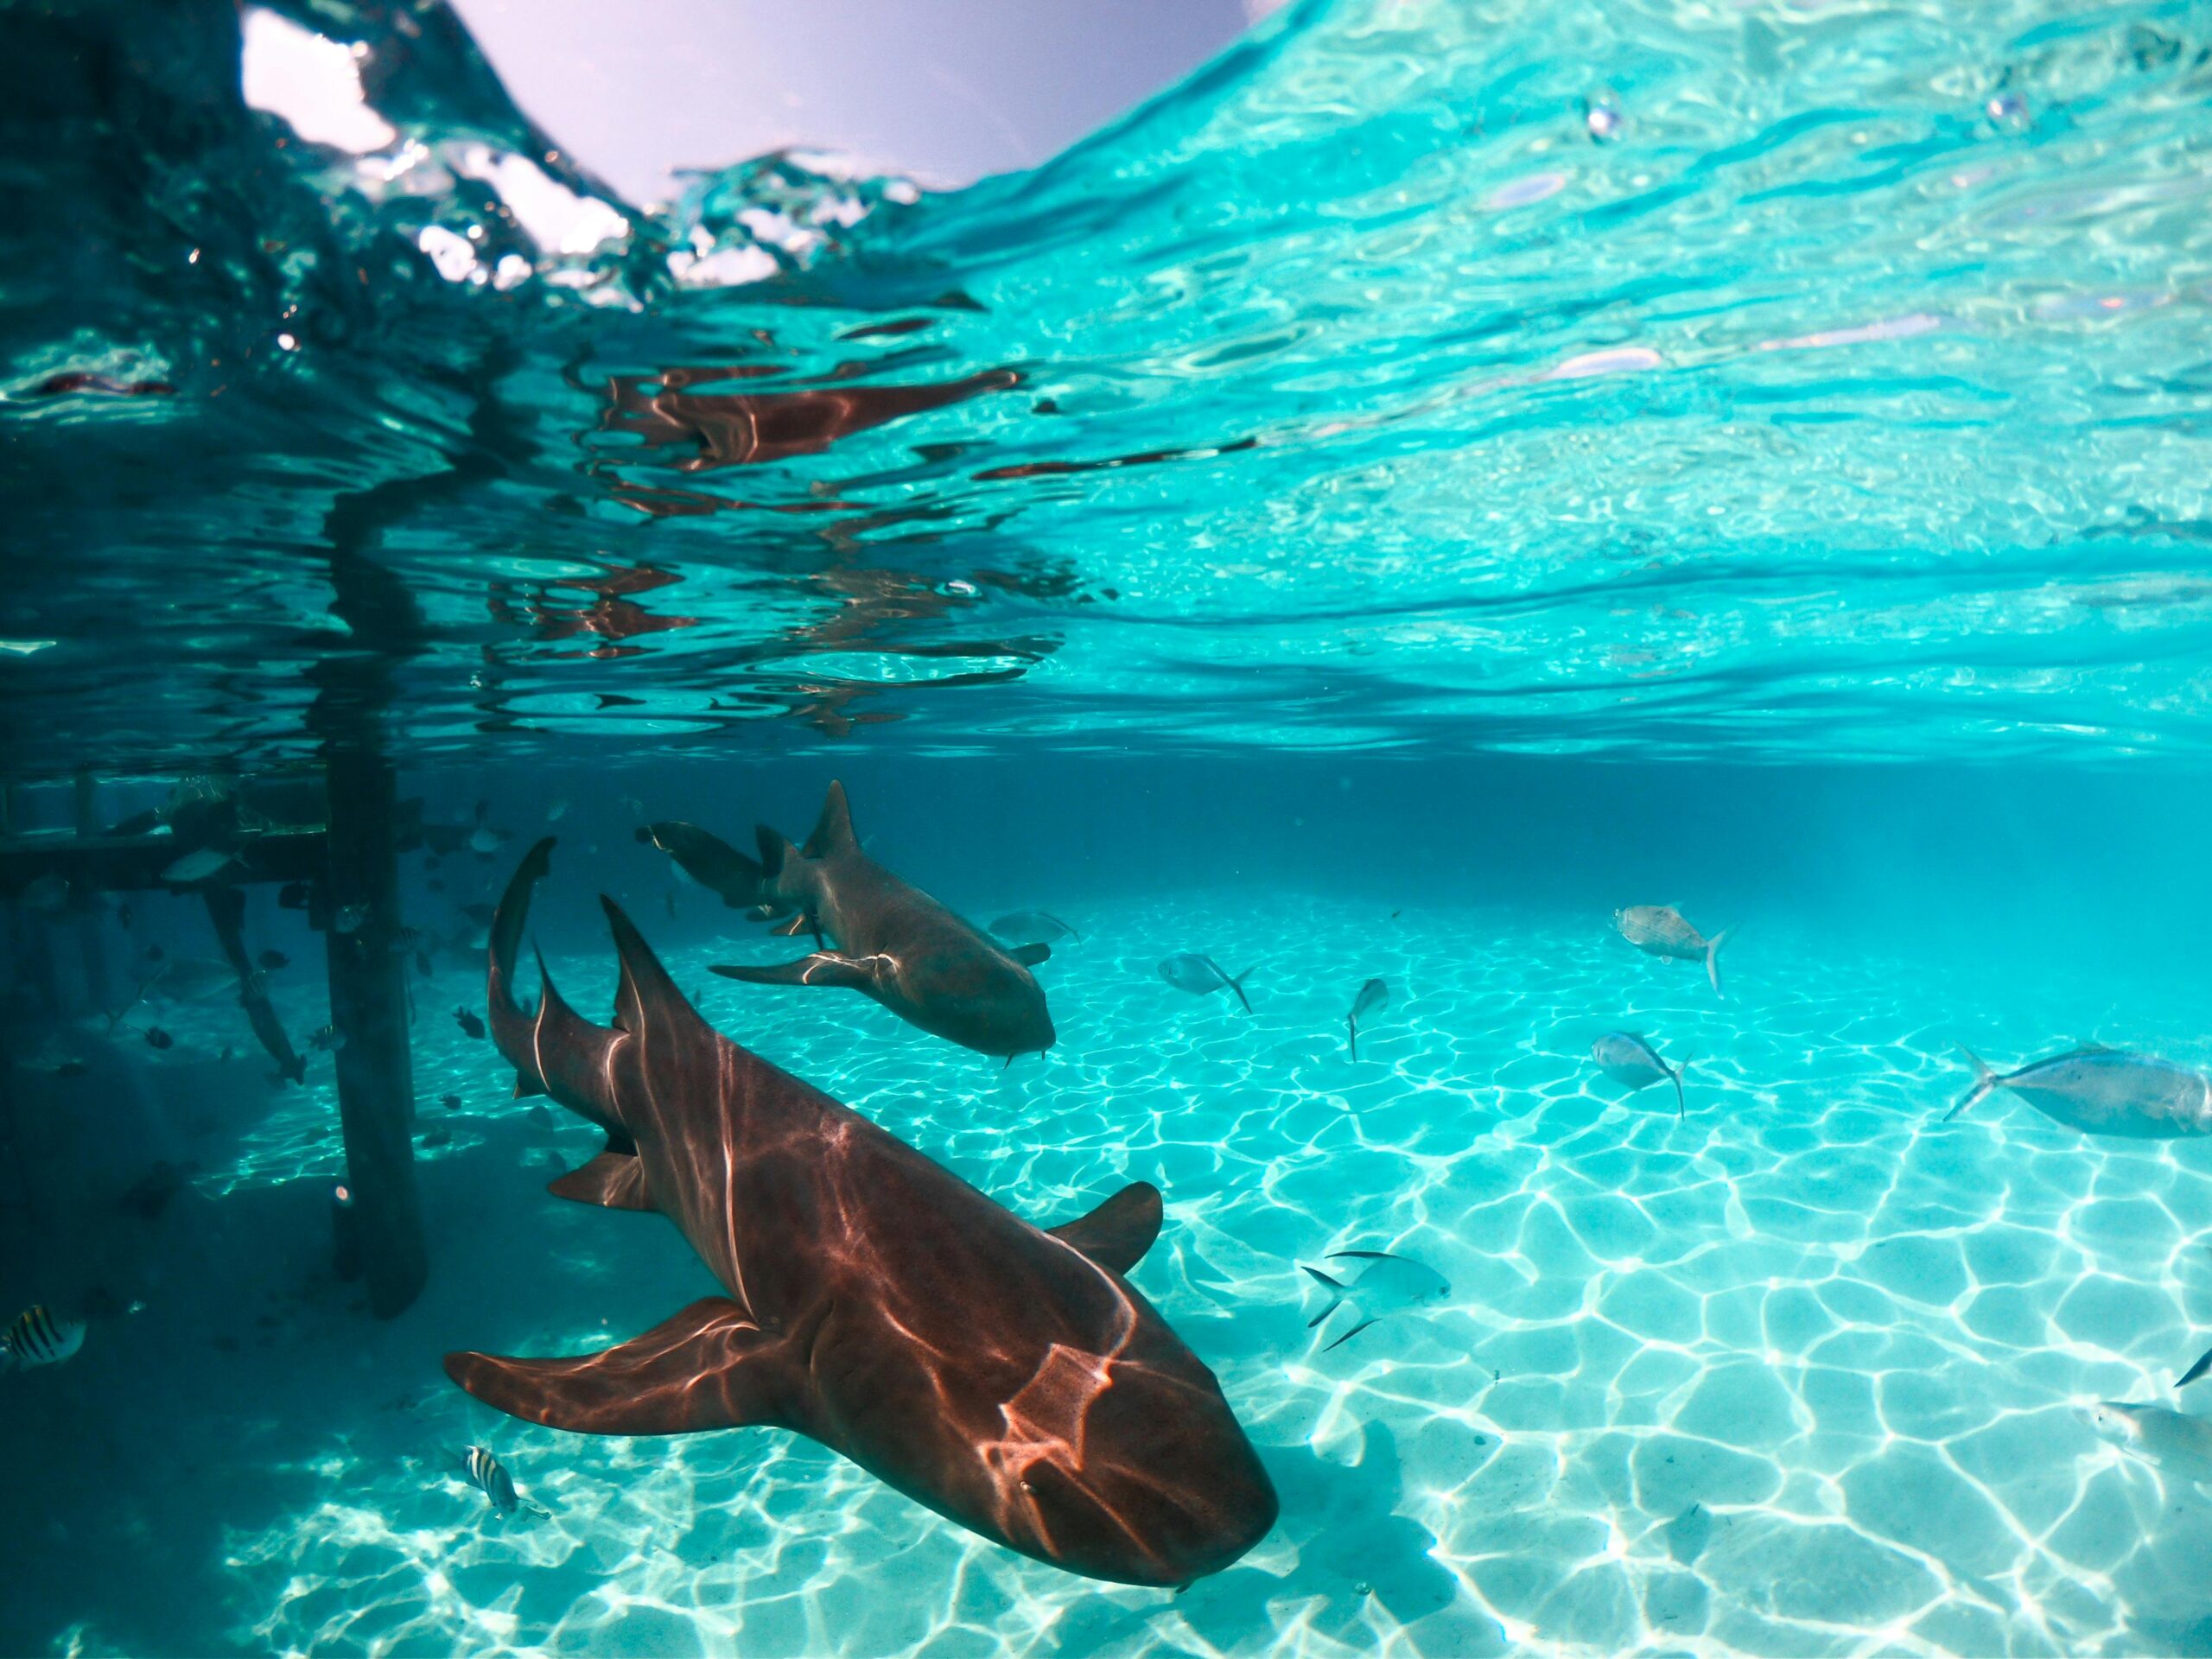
[(486, 1473), (293, 895), (437, 1137), (1202, 976), (451, 1102), (228, 1053), (329, 1038), (422, 963), (271, 961), (1374, 995), (405, 939), (470, 1025), (157, 1038), (155, 953)]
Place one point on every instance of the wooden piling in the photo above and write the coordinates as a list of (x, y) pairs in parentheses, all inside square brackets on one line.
[(368, 1005)]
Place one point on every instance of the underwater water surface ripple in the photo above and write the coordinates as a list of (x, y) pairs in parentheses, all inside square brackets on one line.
[(1749, 380)]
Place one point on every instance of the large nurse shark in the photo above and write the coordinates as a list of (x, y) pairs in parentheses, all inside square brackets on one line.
[(894, 942), (1007, 1377)]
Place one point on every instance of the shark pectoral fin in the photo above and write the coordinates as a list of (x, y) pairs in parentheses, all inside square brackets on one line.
[(616, 1179), (710, 1367), (822, 968), (1119, 1232), (1030, 954)]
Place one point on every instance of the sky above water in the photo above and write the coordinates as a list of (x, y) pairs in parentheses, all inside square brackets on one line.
[(947, 92)]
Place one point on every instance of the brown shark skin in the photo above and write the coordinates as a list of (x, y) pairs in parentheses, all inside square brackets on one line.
[(879, 1304), (901, 947)]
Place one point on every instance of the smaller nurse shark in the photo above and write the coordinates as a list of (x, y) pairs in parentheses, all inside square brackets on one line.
[(894, 943), (1005, 1375)]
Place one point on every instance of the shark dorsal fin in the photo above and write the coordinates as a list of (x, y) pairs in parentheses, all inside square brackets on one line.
[(1119, 1232), (646, 995), (833, 830)]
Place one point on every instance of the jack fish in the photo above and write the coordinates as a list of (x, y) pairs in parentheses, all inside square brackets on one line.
[(2105, 1091), (1659, 930)]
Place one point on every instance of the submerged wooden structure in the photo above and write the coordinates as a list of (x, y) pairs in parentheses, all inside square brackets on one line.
[(337, 833)]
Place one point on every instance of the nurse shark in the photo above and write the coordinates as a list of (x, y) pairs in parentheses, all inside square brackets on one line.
[(1007, 1377), (894, 943)]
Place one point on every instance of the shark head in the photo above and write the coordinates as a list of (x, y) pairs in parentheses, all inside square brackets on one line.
[(1119, 1471)]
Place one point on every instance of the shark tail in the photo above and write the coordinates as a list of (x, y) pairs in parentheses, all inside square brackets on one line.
[(1237, 986), (1681, 1111), (1713, 958), (738, 881), (1984, 1081), (785, 887), (1352, 1027), (1339, 1290)]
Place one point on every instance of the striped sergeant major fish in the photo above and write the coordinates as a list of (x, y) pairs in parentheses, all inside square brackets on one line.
[(489, 1475), (40, 1337)]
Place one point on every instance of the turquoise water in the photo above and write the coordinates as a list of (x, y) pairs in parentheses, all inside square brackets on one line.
[(1441, 474)]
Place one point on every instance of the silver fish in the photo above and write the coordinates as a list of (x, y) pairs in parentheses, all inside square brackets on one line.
[(1202, 976), (39, 1338), (1373, 995), (2167, 1440), (1659, 930), (1032, 927), (489, 1475), (1387, 1284), (2105, 1091), (1626, 1057), (196, 866)]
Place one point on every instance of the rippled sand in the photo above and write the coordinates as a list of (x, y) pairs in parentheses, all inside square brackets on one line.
[(1796, 1376)]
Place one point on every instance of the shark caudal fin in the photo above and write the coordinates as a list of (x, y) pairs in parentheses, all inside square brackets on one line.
[(1119, 1232), (786, 882), (1713, 958), (513, 1030), (833, 830), (1351, 1029), (738, 881), (1984, 1081)]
